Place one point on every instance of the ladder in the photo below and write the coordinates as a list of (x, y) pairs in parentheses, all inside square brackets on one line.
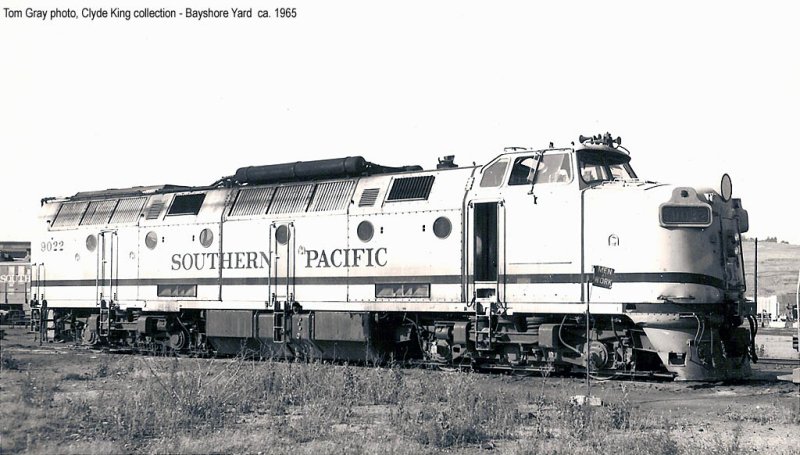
[(281, 241), (35, 317), (106, 273), (103, 322), (486, 303), (280, 322), (45, 323)]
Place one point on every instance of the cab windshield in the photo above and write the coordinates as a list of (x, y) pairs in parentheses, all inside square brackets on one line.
[(603, 166)]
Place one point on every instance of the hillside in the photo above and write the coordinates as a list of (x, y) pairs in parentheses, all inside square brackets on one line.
[(778, 266)]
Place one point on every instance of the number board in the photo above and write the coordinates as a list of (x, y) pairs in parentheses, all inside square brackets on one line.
[(603, 277)]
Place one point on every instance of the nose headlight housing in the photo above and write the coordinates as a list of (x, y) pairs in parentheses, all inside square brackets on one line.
[(685, 209)]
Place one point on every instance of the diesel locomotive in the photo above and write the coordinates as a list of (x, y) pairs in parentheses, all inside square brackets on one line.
[(488, 267)]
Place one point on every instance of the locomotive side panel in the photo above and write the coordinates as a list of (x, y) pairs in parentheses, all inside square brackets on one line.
[(178, 267), (543, 264), (313, 266), (248, 278), (69, 271), (179, 249), (90, 254), (412, 223), (293, 238), (410, 259), (122, 270)]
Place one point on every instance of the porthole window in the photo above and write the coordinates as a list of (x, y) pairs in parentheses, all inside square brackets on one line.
[(365, 231), (442, 227), (91, 243), (206, 237), (151, 239), (282, 234)]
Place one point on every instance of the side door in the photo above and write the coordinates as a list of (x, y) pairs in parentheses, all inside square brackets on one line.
[(486, 267), (282, 242), (485, 237), (107, 280)]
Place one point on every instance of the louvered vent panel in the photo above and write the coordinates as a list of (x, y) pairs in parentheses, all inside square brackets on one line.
[(291, 199), (252, 201), (332, 196), (128, 210), (155, 209), (368, 197), (70, 214), (411, 188), (98, 212)]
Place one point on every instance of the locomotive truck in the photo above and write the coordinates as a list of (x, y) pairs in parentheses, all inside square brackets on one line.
[(488, 267)]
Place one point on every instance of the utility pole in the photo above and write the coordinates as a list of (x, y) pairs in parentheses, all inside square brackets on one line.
[(588, 315), (755, 276), (797, 302)]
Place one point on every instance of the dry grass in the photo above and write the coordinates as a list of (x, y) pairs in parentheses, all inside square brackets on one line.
[(778, 266), (164, 405)]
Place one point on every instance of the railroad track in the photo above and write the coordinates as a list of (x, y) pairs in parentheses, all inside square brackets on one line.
[(788, 362)]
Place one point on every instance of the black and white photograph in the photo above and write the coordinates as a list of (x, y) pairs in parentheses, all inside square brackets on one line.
[(352, 226)]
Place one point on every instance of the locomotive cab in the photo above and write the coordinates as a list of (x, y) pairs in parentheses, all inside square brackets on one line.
[(678, 294), (593, 162)]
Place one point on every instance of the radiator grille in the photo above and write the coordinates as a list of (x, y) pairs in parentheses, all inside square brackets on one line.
[(332, 196), (98, 212), (252, 201), (128, 210), (70, 214), (291, 199)]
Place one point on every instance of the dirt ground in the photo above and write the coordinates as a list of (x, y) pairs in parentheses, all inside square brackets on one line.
[(762, 411)]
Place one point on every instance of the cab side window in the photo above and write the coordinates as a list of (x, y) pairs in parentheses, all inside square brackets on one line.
[(493, 175), (554, 168)]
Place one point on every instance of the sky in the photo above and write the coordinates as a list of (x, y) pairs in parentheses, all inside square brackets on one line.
[(695, 89)]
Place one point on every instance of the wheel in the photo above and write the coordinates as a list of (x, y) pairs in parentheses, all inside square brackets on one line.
[(178, 340), (90, 336)]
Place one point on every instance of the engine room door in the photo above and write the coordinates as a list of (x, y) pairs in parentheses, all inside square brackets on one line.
[(107, 280), (486, 239), (282, 263)]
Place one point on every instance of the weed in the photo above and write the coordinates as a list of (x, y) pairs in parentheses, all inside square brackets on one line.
[(37, 391), (765, 413), (167, 405), (103, 367), (75, 377), (8, 362), (458, 414)]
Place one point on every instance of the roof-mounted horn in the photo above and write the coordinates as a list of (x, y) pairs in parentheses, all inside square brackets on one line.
[(604, 139)]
